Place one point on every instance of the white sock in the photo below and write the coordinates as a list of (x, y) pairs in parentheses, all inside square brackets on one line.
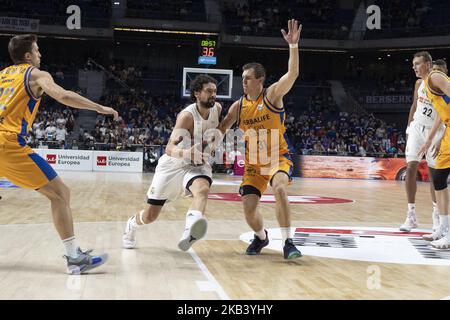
[(286, 233), (191, 217), (133, 222), (412, 207), (261, 234), (443, 221), (435, 208), (71, 247)]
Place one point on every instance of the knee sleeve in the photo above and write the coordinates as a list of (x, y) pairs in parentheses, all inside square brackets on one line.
[(440, 177)]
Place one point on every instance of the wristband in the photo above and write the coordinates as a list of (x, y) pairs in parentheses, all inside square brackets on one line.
[(293, 45)]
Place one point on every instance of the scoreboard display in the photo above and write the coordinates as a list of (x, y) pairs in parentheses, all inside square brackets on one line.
[(207, 54)]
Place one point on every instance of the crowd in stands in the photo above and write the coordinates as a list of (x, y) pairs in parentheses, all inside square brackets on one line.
[(404, 13), (53, 125), (378, 82), (147, 120), (162, 9), (143, 123), (54, 12), (322, 129), (266, 18), (411, 18), (401, 84), (325, 18), (384, 86), (349, 135)]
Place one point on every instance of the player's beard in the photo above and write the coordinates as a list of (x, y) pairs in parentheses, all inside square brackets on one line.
[(208, 104)]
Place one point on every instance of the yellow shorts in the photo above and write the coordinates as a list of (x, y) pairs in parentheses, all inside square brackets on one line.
[(443, 157), (256, 177), (20, 165)]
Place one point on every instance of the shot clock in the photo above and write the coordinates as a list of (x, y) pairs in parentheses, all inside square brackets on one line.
[(207, 53)]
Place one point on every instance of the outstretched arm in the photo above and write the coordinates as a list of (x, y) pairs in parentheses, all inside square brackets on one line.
[(279, 89), (45, 81)]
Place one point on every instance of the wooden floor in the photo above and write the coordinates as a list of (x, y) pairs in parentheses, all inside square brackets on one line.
[(32, 267)]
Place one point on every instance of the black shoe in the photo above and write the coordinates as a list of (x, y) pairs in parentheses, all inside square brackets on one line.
[(290, 251), (256, 245)]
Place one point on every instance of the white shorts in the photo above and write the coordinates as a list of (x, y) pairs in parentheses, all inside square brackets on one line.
[(417, 135), (173, 178)]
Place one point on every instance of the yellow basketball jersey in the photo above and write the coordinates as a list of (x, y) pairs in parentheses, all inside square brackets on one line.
[(263, 122), (439, 100), (18, 106)]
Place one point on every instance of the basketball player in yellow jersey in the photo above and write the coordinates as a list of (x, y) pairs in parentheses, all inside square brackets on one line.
[(258, 110), (438, 91), (440, 65), (21, 88)]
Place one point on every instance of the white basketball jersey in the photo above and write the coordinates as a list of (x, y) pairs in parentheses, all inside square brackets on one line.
[(425, 113), (201, 125), (173, 174)]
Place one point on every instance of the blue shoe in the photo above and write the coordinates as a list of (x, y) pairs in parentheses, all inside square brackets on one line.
[(256, 245), (290, 251), (84, 262)]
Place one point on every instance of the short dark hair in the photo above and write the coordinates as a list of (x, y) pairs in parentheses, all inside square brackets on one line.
[(440, 62), (19, 45), (260, 71), (425, 55), (196, 85)]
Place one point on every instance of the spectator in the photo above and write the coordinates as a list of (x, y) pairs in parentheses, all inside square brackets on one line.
[(40, 133), (61, 133), (50, 132)]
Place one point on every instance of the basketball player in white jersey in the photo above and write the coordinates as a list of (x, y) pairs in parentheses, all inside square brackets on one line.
[(183, 169), (420, 121)]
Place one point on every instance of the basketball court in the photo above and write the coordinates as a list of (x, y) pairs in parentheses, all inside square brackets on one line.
[(346, 229)]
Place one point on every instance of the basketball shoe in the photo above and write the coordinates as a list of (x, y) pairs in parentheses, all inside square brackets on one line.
[(290, 250), (129, 236), (84, 261), (193, 234), (442, 243), (256, 245), (410, 222), (436, 235)]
